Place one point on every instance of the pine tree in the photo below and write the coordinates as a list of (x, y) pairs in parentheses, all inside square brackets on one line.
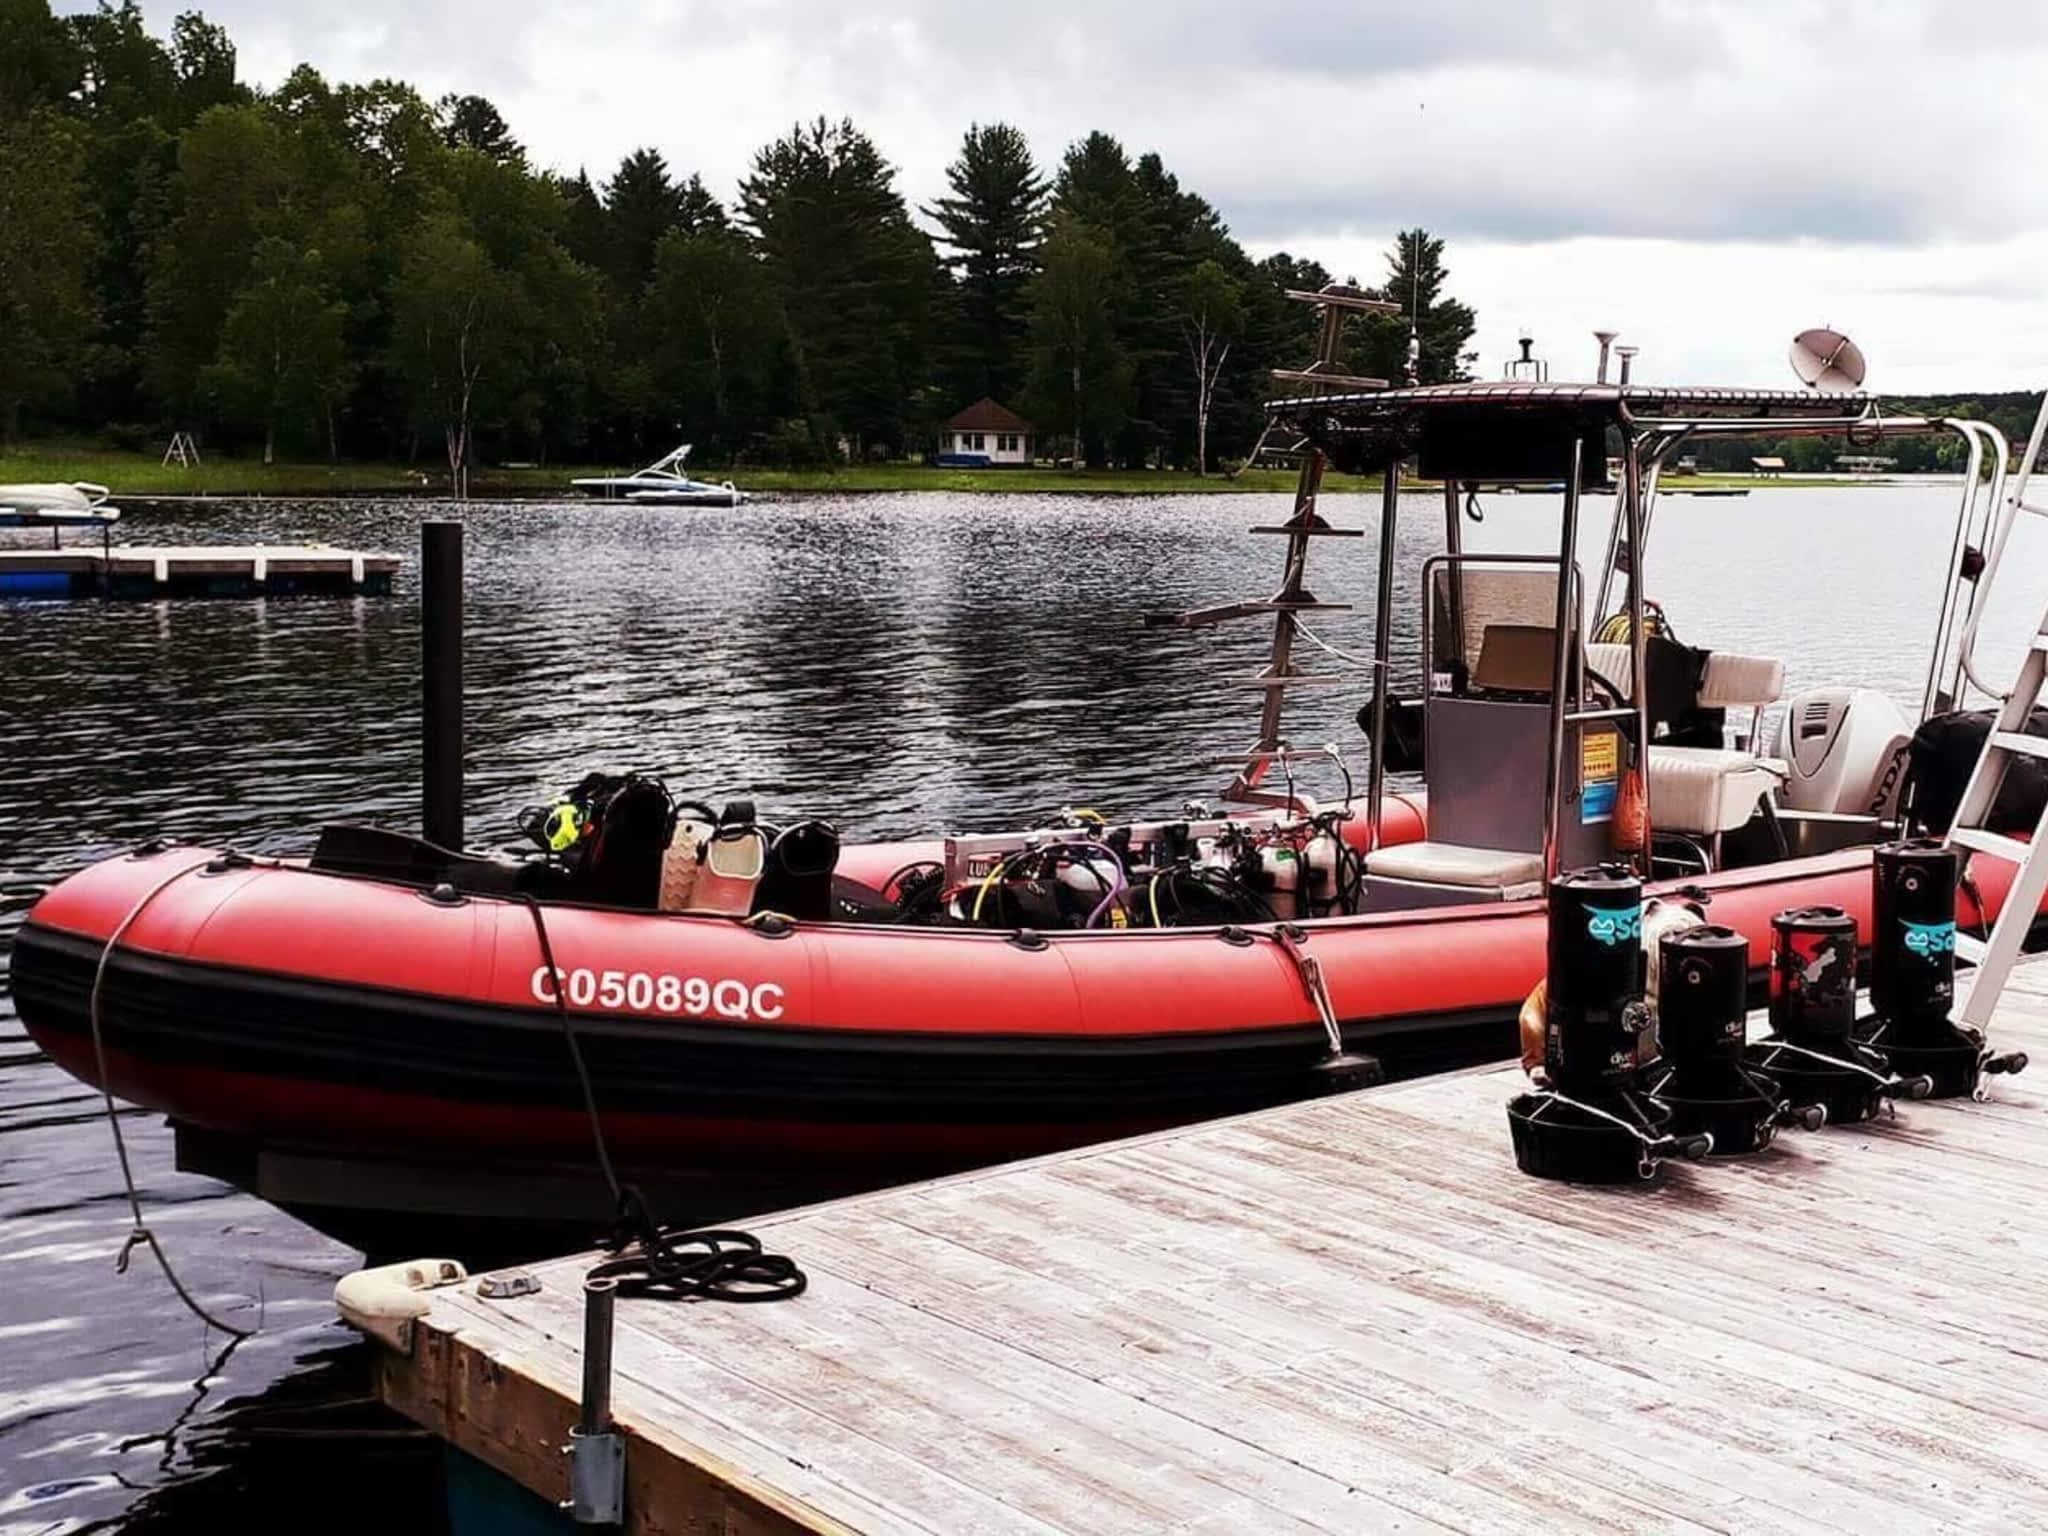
[(1078, 373), (709, 302), (696, 209), (1156, 234), (854, 276), (1179, 231), (1096, 197), (1096, 187), (471, 122), (994, 223), (643, 207), (584, 231)]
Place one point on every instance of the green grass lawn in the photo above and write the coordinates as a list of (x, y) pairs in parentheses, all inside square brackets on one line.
[(141, 474), (1098, 482)]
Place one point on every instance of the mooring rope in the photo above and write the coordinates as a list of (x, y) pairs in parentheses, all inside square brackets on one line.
[(597, 1137), (140, 1233), (646, 1258)]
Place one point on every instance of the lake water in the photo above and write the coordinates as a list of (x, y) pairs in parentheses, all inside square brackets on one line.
[(896, 663)]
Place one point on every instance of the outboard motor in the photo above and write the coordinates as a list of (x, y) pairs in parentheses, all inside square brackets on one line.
[(1913, 971), (1812, 1049), (1844, 751), (1590, 1116), (1702, 1027)]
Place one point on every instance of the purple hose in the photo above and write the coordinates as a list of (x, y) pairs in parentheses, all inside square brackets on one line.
[(1123, 883)]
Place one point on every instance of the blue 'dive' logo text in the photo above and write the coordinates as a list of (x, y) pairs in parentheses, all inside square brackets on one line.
[(1931, 938), (1615, 925)]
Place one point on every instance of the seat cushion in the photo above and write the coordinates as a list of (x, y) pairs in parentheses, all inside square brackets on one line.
[(1734, 682), (1452, 864), (1728, 681), (1706, 790)]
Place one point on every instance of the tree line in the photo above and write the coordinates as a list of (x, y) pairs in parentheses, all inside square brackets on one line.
[(2012, 413), (353, 270)]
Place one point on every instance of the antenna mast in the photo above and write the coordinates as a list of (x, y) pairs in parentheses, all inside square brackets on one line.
[(1411, 367)]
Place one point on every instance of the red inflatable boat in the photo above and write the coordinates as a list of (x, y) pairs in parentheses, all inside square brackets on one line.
[(353, 1048)]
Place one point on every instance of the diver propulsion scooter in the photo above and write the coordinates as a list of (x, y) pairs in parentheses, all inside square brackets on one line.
[(1913, 971), (1702, 1031), (1591, 1116), (1812, 1049)]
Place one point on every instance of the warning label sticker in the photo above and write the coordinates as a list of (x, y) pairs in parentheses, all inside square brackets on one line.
[(1599, 775)]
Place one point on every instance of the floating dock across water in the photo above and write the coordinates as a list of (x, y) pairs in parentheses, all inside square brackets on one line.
[(1351, 1314), (174, 570)]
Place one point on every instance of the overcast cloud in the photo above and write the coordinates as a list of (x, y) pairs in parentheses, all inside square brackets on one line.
[(1708, 177)]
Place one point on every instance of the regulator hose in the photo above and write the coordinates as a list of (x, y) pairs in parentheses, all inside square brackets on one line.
[(1239, 899)]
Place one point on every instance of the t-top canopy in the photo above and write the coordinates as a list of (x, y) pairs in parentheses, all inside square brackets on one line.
[(1617, 401), (1522, 430)]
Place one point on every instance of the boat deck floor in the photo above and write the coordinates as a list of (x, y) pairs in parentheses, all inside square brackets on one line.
[(1352, 1314)]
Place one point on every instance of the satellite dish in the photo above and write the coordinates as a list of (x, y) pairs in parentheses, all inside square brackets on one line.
[(1826, 359)]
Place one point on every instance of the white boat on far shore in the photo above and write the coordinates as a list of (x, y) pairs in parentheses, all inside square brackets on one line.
[(52, 506), (663, 483), (77, 497)]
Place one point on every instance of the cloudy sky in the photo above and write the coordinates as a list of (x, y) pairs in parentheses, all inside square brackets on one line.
[(1706, 176)]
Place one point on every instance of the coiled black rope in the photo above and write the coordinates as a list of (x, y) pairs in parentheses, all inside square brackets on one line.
[(680, 1264), (648, 1259)]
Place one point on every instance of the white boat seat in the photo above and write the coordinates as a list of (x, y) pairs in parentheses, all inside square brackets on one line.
[(1736, 682), (1452, 864), (1708, 790), (1729, 680)]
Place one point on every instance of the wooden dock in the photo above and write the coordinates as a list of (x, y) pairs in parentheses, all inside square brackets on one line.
[(196, 570), (1346, 1315)]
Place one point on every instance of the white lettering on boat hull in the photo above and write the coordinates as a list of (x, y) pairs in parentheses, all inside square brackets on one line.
[(650, 992)]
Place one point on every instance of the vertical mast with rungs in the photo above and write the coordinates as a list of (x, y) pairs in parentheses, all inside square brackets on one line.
[(1335, 302)]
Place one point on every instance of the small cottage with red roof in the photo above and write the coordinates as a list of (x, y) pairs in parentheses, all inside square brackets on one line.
[(986, 434)]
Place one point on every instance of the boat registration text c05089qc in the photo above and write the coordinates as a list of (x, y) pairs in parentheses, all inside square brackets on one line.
[(645, 992)]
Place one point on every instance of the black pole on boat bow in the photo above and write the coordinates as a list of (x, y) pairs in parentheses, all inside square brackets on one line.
[(441, 682)]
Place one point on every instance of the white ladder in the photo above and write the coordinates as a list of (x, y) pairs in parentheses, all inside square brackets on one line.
[(1969, 834)]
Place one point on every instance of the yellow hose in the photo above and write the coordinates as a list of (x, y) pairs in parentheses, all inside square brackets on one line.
[(993, 876)]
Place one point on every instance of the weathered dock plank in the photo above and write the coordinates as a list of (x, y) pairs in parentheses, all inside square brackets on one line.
[(1351, 1314)]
